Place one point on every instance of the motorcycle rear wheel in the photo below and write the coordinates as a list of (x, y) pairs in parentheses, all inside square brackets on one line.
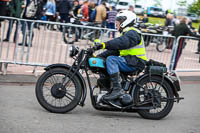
[(156, 91), (53, 95)]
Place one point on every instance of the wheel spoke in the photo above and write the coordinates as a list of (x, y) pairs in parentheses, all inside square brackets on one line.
[(68, 97)]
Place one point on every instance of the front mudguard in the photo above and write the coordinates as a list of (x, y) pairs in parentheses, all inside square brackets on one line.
[(80, 77), (173, 82)]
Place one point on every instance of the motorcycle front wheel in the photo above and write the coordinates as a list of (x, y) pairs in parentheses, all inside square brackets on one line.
[(155, 94), (56, 95)]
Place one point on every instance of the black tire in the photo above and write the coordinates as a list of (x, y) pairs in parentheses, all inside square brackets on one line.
[(71, 36), (155, 80), (58, 93), (161, 45)]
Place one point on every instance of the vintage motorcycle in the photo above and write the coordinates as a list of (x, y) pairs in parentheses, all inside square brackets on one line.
[(151, 92)]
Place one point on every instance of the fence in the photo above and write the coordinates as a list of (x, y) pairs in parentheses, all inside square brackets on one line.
[(40, 43), (184, 57)]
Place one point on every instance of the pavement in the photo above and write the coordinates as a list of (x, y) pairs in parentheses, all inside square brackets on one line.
[(21, 113)]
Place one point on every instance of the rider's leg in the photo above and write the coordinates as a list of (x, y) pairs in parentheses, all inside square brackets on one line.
[(115, 64)]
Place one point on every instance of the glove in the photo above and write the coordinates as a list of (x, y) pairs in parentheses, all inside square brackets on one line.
[(97, 46)]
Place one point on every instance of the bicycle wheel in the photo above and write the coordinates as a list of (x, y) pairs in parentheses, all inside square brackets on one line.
[(71, 35)]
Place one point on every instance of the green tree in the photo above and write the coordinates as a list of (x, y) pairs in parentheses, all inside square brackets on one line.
[(136, 1), (195, 7), (157, 3), (182, 3)]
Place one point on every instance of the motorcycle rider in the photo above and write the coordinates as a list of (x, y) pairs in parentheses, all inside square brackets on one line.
[(125, 53)]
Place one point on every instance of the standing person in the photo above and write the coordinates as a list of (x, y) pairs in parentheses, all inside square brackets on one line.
[(3, 11), (50, 8), (76, 7), (131, 8), (169, 20), (100, 14), (63, 9), (16, 8), (124, 54), (198, 49), (26, 25), (145, 19), (92, 12), (85, 10), (181, 30), (111, 20)]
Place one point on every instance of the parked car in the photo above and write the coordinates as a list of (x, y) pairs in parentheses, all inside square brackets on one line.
[(138, 9), (121, 4), (192, 16), (155, 11)]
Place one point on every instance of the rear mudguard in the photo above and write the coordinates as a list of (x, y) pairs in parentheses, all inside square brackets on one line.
[(166, 78), (80, 77)]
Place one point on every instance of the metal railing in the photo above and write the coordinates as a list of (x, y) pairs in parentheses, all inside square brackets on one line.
[(184, 58), (41, 43)]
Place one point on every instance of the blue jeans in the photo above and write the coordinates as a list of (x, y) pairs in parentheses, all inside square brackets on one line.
[(116, 64), (11, 22), (111, 26)]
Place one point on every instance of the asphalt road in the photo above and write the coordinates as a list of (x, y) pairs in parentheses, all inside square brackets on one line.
[(21, 113)]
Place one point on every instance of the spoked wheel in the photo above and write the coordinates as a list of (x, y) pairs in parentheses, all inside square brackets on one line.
[(155, 95), (161, 46), (71, 35), (55, 96)]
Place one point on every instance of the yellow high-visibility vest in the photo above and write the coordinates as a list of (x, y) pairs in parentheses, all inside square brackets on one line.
[(138, 50)]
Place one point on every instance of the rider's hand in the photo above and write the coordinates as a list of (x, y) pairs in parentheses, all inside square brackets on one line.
[(98, 46)]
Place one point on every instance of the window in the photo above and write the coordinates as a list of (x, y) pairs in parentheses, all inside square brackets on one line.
[(138, 6), (123, 3)]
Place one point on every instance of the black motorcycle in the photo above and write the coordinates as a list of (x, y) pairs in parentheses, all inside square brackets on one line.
[(151, 92)]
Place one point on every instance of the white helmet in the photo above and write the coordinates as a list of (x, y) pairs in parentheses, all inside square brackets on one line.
[(125, 18)]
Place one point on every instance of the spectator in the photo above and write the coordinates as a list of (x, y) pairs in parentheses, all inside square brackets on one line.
[(85, 10), (39, 13), (131, 8), (76, 7), (169, 20), (181, 30), (63, 9), (16, 8), (3, 10), (111, 20), (145, 19), (100, 14), (198, 49), (50, 9), (92, 12), (176, 20)]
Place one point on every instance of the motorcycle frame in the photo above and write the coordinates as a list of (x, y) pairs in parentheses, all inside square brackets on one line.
[(83, 64)]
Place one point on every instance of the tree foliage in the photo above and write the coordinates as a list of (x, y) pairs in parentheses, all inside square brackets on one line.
[(135, 1), (182, 3), (195, 7), (157, 3)]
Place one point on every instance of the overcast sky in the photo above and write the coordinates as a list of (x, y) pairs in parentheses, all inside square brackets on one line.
[(166, 4)]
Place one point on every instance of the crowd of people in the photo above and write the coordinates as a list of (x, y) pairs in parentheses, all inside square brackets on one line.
[(62, 11)]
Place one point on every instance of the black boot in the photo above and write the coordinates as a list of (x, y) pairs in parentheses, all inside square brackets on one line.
[(117, 90)]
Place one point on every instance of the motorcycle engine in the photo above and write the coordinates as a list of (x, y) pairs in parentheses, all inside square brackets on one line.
[(126, 99)]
